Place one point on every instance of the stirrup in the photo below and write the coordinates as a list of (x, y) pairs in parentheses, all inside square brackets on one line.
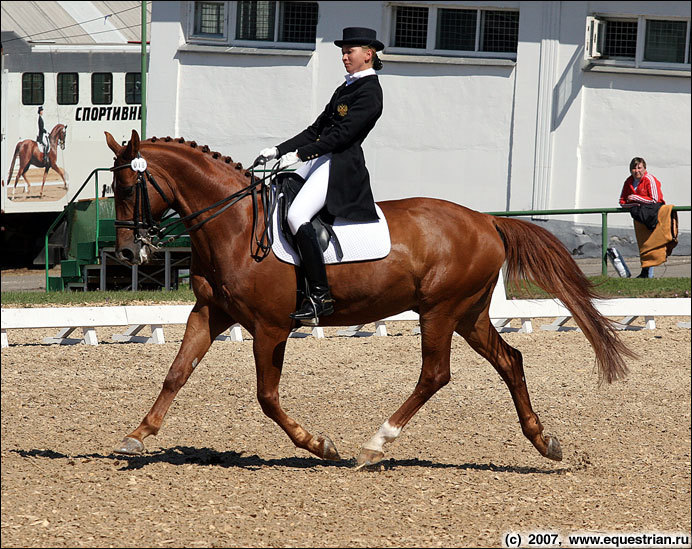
[(312, 309)]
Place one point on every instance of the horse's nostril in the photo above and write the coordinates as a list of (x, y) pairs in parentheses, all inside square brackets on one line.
[(126, 254)]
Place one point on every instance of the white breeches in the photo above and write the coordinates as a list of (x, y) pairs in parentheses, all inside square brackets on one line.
[(313, 196)]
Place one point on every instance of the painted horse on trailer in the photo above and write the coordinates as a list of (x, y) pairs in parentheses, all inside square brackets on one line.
[(444, 264), (29, 154)]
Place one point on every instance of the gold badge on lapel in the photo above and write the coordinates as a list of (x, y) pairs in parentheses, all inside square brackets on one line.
[(342, 110)]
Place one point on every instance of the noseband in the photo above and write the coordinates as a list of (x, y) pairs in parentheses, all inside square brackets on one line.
[(151, 233)]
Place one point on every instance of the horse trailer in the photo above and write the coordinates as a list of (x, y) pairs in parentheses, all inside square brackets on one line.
[(82, 65)]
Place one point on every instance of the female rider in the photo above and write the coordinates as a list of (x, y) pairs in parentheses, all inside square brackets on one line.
[(334, 165)]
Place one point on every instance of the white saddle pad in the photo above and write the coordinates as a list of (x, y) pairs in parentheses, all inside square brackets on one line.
[(360, 241)]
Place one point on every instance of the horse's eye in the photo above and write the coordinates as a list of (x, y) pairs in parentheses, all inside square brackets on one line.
[(125, 191)]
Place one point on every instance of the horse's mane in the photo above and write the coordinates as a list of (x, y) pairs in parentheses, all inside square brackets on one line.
[(203, 149)]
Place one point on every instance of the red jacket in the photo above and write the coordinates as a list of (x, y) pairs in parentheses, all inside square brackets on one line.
[(647, 192)]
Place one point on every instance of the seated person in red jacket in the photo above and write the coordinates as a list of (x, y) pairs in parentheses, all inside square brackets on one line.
[(641, 188)]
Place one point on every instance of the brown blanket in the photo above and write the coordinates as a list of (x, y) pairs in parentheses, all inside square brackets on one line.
[(655, 246)]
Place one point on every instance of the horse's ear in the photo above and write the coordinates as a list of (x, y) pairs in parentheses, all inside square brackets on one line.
[(113, 144), (133, 145)]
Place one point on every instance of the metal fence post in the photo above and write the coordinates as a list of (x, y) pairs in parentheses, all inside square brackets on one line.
[(604, 243)]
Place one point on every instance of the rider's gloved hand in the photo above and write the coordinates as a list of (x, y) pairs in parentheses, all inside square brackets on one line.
[(266, 155), (288, 160)]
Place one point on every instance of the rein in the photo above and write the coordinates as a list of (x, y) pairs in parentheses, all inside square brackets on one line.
[(143, 220)]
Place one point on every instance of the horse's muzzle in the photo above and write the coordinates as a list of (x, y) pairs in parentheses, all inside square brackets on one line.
[(133, 254)]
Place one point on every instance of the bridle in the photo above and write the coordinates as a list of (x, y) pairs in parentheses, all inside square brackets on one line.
[(156, 234), (61, 138)]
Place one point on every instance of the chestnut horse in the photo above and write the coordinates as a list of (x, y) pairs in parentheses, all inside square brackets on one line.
[(444, 263), (29, 154)]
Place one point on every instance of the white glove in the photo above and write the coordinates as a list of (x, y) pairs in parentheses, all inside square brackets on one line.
[(288, 160), (270, 153), (266, 155)]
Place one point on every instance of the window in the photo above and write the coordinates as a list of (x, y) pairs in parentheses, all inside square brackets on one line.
[(620, 39), (133, 88), (411, 27), (499, 31), (665, 41), (445, 30), (297, 21), (639, 41), (32, 88), (255, 21), (456, 29), (209, 19), (68, 88), (102, 88)]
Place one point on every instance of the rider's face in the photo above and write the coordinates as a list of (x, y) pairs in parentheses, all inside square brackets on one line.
[(356, 58)]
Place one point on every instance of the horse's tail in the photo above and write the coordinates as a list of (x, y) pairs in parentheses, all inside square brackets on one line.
[(14, 157), (536, 255)]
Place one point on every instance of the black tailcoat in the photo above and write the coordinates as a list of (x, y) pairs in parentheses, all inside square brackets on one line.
[(340, 129), (41, 129)]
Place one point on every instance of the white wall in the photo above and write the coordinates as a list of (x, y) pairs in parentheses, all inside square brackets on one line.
[(492, 136)]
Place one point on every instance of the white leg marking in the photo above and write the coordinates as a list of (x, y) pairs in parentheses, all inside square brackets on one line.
[(386, 433), (195, 363)]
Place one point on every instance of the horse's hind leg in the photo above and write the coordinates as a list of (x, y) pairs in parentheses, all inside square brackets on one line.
[(436, 342), (28, 184), (202, 328), (269, 347), (486, 341)]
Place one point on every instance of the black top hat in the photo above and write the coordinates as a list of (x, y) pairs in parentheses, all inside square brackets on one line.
[(40, 109), (359, 36)]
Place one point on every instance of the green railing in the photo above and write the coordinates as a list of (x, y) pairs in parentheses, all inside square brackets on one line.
[(604, 223), (95, 175)]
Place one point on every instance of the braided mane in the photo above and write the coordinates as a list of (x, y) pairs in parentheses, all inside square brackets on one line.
[(203, 149)]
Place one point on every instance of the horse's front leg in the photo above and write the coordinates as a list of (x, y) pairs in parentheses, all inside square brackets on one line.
[(61, 173), (203, 325), (43, 184), (269, 348)]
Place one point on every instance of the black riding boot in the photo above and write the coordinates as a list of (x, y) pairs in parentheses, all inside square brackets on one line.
[(319, 301)]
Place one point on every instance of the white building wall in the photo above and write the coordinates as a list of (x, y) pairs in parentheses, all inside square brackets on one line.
[(489, 134)]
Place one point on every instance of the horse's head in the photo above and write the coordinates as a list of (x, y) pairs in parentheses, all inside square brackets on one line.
[(58, 135), (137, 209)]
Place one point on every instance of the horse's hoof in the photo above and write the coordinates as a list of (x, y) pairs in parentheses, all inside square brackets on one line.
[(329, 450), (369, 457), (130, 446), (554, 450)]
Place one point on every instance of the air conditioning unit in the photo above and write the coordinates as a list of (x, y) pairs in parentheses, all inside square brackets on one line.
[(595, 30)]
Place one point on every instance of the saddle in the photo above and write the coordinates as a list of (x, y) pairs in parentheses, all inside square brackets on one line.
[(288, 186), (43, 147)]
